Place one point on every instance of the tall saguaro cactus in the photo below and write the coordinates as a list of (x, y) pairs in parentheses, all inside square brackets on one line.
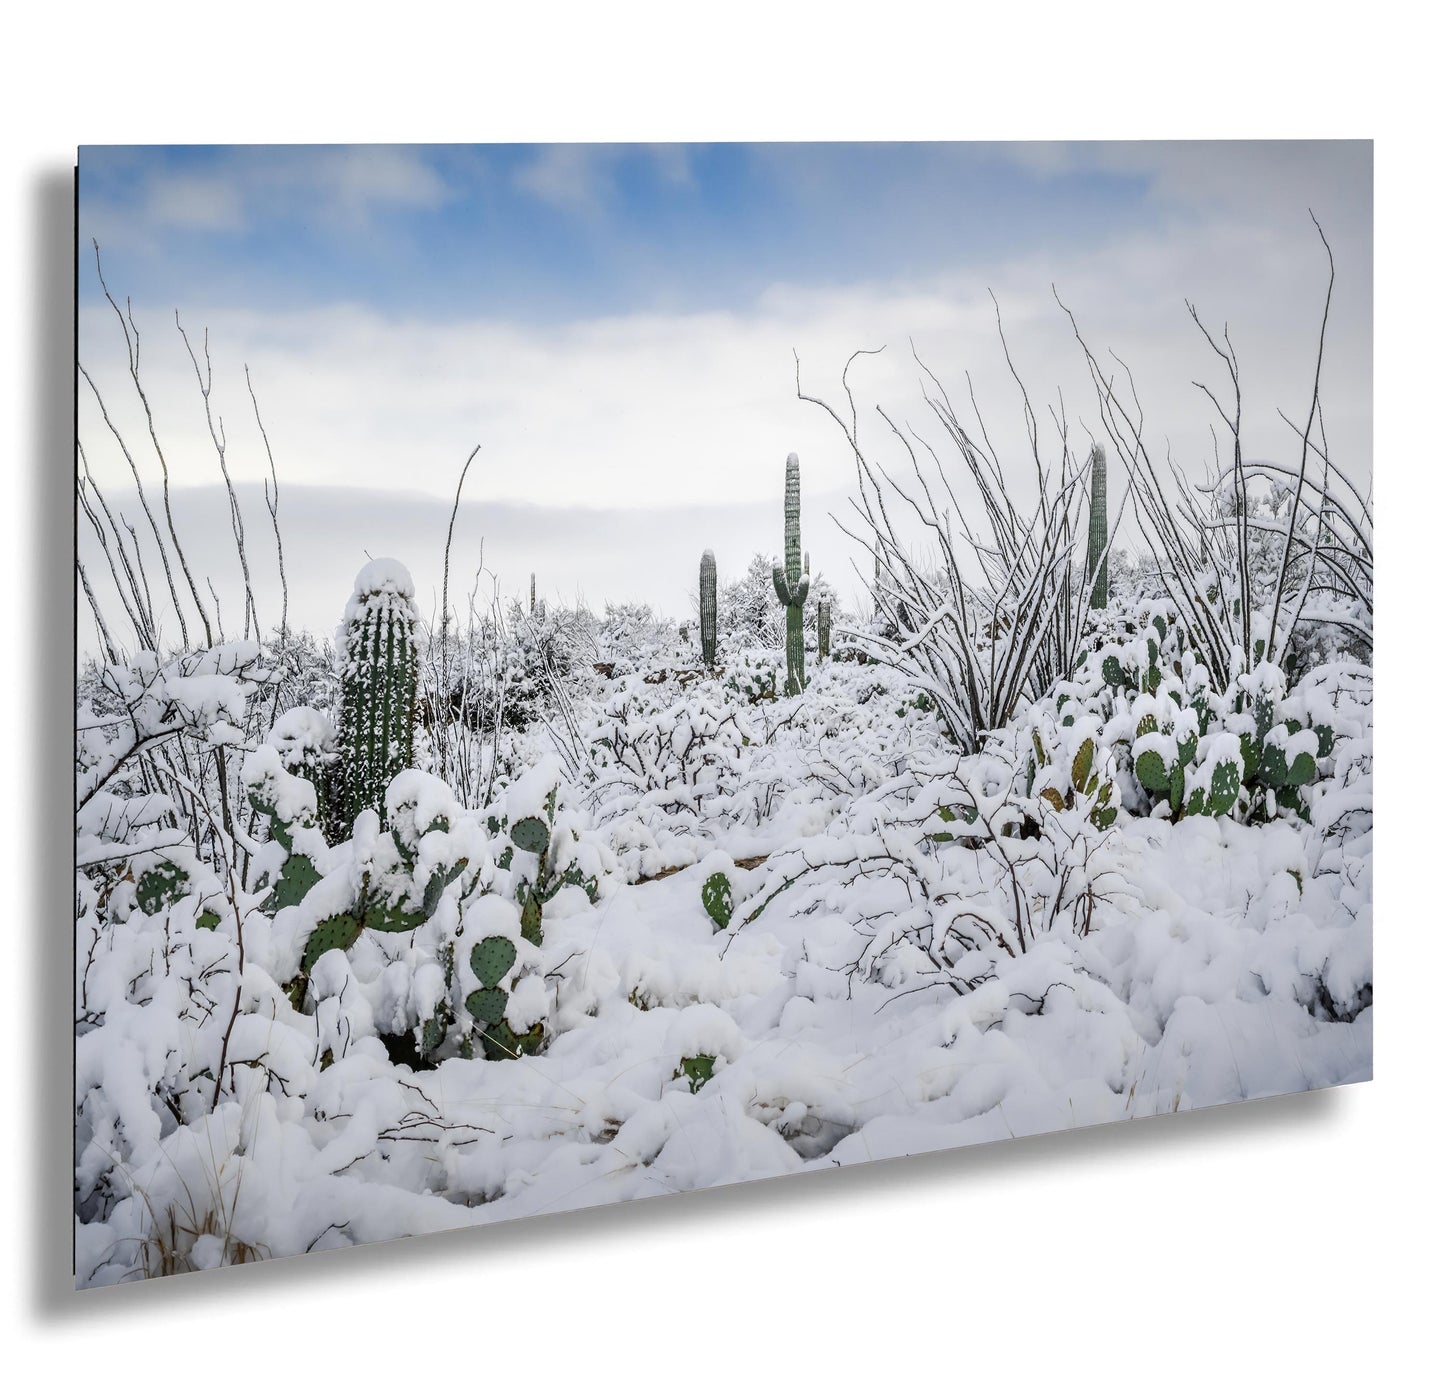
[(825, 630), (377, 646), (790, 577), (1098, 528), (707, 606)]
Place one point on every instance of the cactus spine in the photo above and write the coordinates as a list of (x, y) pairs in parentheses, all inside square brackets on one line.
[(377, 645), (707, 607), (1098, 528), (790, 577), (825, 630)]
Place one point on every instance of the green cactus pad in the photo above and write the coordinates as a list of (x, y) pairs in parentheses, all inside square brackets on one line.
[(1113, 672), (532, 921), (432, 898), (499, 1043), (210, 919), (298, 877), (1249, 750), (1223, 788), (1176, 785), (333, 933), (434, 1031), (696, 1070), (393, 917), (487, 1006), (1274, 771), (717, 898), (1263, 718), (531, 834), (161, 887), (492, 958), (1149, 768), (1083, 764)]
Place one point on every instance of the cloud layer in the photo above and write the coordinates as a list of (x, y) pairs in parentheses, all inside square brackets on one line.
[(691, 412)]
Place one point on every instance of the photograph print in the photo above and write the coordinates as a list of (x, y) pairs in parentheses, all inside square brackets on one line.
[(609, 670)]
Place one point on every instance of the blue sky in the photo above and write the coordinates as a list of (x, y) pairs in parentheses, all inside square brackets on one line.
[(542, 233), (615, 327)]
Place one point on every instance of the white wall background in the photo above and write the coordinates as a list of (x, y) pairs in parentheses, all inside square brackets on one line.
[(1278, 1247)]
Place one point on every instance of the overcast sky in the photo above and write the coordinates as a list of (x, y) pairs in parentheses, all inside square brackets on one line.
[(616, 326)]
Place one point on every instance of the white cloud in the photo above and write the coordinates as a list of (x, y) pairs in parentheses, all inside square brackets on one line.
[(697, 411), (247, 187), (575, 178), (196, 202)]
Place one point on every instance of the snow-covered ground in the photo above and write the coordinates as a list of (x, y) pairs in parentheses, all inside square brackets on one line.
[(885, 983)]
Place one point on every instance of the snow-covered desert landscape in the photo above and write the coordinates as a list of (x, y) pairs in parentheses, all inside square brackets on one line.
[(1044, 801)]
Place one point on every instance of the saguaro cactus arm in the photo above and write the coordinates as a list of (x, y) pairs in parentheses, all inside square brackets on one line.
[(790, 577)]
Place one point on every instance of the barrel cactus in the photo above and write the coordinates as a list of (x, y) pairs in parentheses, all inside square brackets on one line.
[(790, 577), (1098, 528), (377, 647), (707, 607)]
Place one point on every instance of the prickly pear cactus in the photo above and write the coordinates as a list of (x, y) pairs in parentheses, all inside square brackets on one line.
[(1070, 768), (790, 577), (377, 646), (707, 607), (1098, 528), (492, 959), (717, 898), (698, 1070)]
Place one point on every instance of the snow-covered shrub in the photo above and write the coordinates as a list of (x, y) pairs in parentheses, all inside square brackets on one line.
[(145, 710), (305, 668), (632, 638), (938, 878), (1249, 752), (305, 740), (752, 675), (417, 909)]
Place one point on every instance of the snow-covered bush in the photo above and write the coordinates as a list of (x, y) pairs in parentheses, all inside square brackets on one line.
[(1250, 752), (410, 905)]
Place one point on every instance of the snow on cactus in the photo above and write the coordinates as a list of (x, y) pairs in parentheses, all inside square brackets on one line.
[(707, 607), (790, 577), (377, 647)]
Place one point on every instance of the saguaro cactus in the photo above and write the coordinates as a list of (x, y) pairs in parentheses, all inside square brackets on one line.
[(377, 646), (532, 599), (825, 630), (1098, 528), (707, 606), (790, 577)]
